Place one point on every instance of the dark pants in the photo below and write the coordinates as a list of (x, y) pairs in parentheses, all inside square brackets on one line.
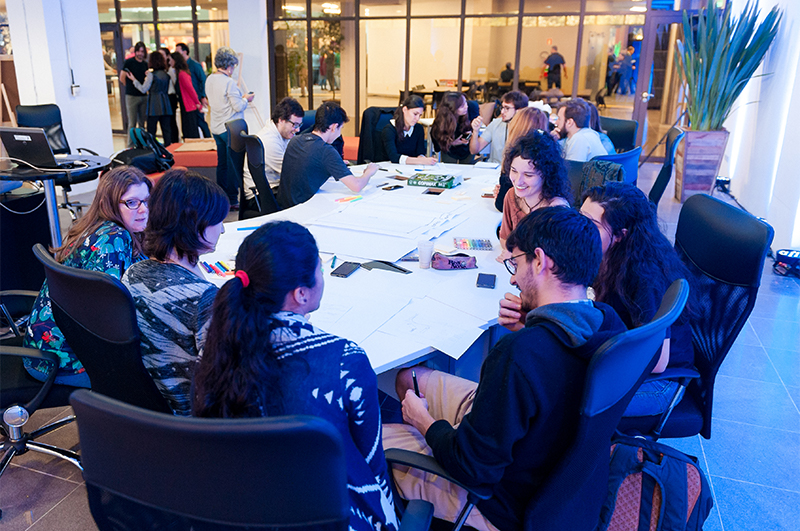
[(166, 130), (224, 166), (173, 122), (554, 80), (201, 123), (189, 123)]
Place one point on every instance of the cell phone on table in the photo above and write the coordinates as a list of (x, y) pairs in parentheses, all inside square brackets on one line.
[(486, 280), (391, 187), (345, 270)]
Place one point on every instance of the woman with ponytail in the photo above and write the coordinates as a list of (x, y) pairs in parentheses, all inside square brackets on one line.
[(264, 358)]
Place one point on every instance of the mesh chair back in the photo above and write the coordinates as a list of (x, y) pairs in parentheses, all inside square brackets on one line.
[(621, 132), (95, 312), (147, 470), (629, 160), (674, 137), (615, 372), (48, 117), (267, 204), (724, 249)]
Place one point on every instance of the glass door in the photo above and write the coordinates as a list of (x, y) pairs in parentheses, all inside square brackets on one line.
[(112, 64)]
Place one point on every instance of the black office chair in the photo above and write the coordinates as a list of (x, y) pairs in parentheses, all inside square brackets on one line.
[(674, 137), (615, 371), (629, 161), (621, 132), (370, 146), (147, 469), (236, 153), (724, 249), (48, 117), (264, 197), (95, 312)]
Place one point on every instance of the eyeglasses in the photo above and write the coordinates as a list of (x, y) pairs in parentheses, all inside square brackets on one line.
[(511, 265), (133, 204), (508, 107), (297, 125)]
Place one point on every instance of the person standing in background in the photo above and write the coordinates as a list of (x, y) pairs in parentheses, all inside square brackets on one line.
[(507, 75), (199, 83), (135, 68), (172, 92), (555, 65), (190, 103)]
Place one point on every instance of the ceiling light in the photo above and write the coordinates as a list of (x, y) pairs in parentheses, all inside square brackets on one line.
[(639, 9)]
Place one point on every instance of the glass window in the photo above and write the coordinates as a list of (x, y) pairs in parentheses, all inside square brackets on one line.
[(211, 36), (552, 6), (333, 52), (489, 43), (106, 11), (212, 9), (174, 10), (291, 63), (435, 7), (333, 8), (635, 6), (290, 9), (133, 33), (539, 36), (383, 68), (172, 34), (492, 7), (434, 51), (136, 10), (382, 8)]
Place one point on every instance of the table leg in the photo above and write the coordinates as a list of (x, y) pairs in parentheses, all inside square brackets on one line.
[(52, 212)]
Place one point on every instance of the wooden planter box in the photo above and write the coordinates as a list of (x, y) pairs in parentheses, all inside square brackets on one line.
[(697, 162)]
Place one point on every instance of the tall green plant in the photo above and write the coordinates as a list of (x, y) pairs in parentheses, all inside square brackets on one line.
[(719, 57)]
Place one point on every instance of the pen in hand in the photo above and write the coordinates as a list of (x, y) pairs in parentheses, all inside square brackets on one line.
[(416, 385)]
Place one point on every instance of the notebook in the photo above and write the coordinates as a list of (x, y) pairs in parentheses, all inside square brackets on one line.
[(30, 144)]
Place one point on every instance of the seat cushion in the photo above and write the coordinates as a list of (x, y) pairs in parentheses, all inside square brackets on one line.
[(193, 159)]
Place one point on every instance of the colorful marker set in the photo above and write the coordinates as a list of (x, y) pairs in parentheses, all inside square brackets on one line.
[(349, 199), (472, 245), (221, 269)]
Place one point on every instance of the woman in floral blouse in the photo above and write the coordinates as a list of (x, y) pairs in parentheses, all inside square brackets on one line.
[(108, 239)]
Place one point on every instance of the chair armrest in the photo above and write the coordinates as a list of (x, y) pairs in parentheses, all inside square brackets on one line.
[(673, 374), (417, 517), (428, 464), (82, 150), (20, 352), (19, 293), (16, 306)]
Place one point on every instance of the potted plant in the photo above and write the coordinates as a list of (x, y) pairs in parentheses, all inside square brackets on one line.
[(719, 56)]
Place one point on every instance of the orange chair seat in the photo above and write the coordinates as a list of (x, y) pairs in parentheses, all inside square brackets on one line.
[(193, 159)]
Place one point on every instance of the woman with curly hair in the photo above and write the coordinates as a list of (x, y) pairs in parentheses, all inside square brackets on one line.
[(264, 358), (108, 238), (638, 266), (539, 179), (524, 121), (451, 129)]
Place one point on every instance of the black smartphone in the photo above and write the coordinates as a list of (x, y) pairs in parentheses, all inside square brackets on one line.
[(345, 270), (486, 280), (393, 187)]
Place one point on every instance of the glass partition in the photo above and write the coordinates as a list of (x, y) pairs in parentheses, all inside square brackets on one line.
[(136, 10), (383, 68), (175, 10), (434, 51), (539, 36), (211, 36), (292, 46)]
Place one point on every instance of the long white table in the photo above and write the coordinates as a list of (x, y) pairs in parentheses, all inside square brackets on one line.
[(397, 318)]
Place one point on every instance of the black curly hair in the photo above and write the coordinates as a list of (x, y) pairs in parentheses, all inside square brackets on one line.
[(543, 152)]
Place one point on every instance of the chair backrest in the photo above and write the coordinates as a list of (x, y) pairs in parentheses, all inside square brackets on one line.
[(585, 175), (48, 117), (255, 163), (629, 160), (615, 372), (674, 137), (235, 146), (724, 249), (176, 472), (621, 132), (96, 314), (370, 147)]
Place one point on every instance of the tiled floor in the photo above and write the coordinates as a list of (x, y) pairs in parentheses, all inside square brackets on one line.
[(752, 459)]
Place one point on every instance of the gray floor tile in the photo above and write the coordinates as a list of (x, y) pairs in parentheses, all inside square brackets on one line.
[(755, 454), (759, 403), (794, 393), (25, 496), (777, 306), (748, 361), (787, 363), (772, 283), (71, 514), (748, 336), (773, 333), (745, 507)]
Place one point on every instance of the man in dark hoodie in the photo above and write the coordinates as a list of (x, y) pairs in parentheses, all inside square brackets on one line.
[(508, 431)]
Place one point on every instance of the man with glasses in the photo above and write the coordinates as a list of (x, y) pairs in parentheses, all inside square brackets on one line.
[(508, 431), (497, 131)]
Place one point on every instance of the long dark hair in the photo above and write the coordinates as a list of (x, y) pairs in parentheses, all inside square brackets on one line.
[(411, 102), (105, 207), (641, 265), (448, 124), (539, 148), (238, 372), (179, 62)]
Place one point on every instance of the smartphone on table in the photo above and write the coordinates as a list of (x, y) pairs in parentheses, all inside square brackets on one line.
[(345, 270)]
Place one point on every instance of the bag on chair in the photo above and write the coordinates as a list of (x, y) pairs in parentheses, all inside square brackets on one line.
[(654, 487), (143, 140)]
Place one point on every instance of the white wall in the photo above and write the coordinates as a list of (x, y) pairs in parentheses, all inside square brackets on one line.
[(43, 74), (247, 27), (762, 157)]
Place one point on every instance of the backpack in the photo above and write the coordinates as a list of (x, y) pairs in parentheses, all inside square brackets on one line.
[(141, 139), (654, 487), (787, 262)]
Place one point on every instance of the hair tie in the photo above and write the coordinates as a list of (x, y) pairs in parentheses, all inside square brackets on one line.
[(241, 275)]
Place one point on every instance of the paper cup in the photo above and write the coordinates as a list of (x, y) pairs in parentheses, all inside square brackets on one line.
[(425, 248)]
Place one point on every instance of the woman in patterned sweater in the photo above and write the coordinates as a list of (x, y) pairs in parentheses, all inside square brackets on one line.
[(263, 358), (173, 299), (107, 238)]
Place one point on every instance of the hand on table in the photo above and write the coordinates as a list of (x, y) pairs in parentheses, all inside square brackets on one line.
[(511, 315), (427, 161)]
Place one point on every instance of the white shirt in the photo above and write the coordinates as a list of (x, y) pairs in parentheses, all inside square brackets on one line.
[(403, 158), (274, 148), (225, 102), (584, 145)]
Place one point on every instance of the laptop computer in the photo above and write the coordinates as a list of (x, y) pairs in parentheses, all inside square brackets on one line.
[(30, 144)]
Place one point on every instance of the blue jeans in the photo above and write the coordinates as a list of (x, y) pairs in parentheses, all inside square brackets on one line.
[(224, 163), (652, 398)]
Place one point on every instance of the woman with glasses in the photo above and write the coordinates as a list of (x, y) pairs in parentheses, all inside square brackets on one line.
[(403, 141), (264, 358), (172, 298), (107, 238), (538, 177)]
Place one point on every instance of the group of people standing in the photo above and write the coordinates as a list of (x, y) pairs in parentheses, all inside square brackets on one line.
[(156, 83)]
